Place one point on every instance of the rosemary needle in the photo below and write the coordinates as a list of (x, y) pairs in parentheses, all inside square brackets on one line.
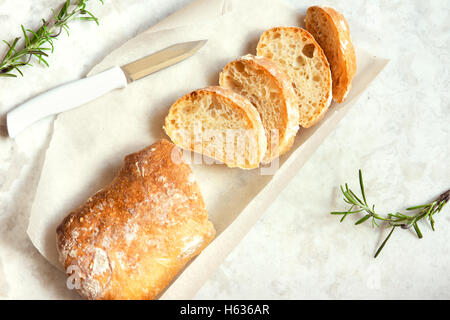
[(395, 220), (36, 43)]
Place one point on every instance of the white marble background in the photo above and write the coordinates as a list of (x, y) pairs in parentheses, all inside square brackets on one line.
[(398, 134)]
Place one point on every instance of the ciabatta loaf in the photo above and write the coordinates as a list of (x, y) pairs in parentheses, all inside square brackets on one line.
[(218, 123), (331, 31), (269, 89), (132, 237), (301, 58)]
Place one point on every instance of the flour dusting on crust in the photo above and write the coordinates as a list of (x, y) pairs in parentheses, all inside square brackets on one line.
[(125, 240)]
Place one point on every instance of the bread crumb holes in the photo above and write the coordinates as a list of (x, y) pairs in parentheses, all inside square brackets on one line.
[(308, 50), (300, 60)]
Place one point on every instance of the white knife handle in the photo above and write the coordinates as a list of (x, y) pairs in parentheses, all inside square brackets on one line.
[(64, 97)]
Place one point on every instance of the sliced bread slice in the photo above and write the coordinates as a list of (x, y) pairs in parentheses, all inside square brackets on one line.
[(269, 89), (301, 58), (220, 124), (331, 31)]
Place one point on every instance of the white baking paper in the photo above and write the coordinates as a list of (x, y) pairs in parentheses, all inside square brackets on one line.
[(89, 143)]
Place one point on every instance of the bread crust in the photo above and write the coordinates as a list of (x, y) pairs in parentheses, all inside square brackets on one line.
[(235, 101), (290, 114), (132, 237), (326, 98), (342, 82)]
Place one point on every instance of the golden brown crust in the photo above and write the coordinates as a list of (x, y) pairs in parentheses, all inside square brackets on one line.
[(132, 237), (344, 72), (292, 115), (237, 102), (289, 110)]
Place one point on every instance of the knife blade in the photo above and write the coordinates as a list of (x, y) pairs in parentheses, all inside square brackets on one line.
[(76, 93), (161, 59)]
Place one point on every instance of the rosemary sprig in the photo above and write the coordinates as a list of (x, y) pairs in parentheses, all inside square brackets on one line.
[(395, 220), (36, 43)]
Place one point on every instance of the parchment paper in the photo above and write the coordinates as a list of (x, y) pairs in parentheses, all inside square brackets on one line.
[(89, 143)]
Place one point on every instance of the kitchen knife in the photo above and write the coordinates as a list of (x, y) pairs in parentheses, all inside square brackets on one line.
[(78, 92)]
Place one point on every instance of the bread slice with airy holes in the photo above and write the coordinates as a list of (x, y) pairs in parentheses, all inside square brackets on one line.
[(301, 58), (218, 123), (331, 31), (269, 89)]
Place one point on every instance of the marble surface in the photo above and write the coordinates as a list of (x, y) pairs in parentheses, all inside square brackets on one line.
[(398, 134)]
